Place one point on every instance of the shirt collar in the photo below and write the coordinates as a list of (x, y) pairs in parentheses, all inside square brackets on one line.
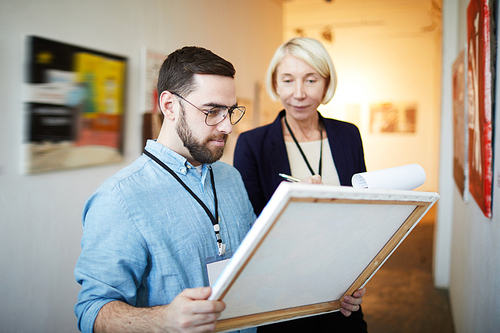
[(175, 161)]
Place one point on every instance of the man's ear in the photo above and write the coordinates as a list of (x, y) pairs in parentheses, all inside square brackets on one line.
[(167, 101)]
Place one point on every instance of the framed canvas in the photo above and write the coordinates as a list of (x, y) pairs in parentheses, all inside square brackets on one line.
[(394, 117), (152, 118), (460, 135), (296, 262), (75, 104), (479, 103)]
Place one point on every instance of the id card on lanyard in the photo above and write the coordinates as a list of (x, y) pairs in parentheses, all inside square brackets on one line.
[(214, 270)]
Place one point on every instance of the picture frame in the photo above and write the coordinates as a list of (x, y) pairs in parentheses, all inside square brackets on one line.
[(393, 117), (74, 104), (295, 261), (480, 103), (152, 116), (460, 133)]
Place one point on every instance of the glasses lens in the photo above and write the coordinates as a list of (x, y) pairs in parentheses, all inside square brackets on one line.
[(236, 114), (215, 116)]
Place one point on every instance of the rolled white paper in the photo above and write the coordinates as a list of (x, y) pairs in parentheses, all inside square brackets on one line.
[(405, 177)]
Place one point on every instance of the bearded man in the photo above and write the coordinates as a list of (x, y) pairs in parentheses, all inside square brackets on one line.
[(150, 230)]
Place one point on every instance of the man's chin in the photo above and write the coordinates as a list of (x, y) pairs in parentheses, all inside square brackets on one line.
[(218, 155), (215, 155)]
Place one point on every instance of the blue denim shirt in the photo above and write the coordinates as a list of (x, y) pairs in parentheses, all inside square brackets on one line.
[(145, 238)]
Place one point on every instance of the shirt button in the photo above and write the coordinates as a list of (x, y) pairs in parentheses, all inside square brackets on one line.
[(182, 170)]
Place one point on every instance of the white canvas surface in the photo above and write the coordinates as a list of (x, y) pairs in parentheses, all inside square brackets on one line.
[(307, 258)]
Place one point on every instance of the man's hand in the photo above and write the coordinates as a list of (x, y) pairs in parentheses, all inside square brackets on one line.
[(190, 311), (351, 303)]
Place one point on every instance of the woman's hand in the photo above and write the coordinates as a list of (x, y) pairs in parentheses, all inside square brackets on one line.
[(316, 179), (352, 303)]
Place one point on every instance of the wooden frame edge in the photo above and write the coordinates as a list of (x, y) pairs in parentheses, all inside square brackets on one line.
[(315, 309)]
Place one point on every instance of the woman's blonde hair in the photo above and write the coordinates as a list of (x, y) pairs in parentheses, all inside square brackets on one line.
[(314, 54)]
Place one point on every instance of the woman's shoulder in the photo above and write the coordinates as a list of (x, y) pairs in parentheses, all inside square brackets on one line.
[(258, 131), (337, 122), (339, 125), (262, 132)]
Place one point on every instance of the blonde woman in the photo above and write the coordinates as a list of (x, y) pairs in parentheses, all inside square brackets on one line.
[(302, 143)]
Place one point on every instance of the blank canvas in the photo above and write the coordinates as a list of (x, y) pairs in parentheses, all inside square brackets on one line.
[(311, 246)]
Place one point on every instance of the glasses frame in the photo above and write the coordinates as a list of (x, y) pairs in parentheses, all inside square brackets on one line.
[(230, 111)]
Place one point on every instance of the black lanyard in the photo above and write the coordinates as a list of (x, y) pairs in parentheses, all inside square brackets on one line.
[(302, 153), (214, 219)]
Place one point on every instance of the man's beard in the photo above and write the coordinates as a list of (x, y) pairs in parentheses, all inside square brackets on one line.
[(199, 151)]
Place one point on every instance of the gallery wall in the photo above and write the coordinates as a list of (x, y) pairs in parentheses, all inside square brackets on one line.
[(474, 285), (40, 215)]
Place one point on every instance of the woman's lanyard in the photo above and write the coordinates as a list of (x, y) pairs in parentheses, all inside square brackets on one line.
[(302, 153), (214, 219)]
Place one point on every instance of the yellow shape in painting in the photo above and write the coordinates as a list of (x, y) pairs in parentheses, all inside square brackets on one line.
[(104, 79), (44, 57)]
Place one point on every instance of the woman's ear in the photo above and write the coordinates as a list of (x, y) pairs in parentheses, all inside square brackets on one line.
[(167, 102)]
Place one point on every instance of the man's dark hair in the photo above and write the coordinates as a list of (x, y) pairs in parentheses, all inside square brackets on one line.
[(178, 70)]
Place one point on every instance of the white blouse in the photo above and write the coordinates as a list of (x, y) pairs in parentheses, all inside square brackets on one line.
[(311, 149)]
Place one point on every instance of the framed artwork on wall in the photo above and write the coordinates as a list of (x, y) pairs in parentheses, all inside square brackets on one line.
[(152, 116), (74, 106), (479, 102), (390, 117), (460, 134)]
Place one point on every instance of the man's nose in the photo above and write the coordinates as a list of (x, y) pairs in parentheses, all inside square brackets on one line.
[(225, 125)]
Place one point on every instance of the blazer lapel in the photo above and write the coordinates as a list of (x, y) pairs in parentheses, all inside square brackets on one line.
[(279, 157), (337, 152)]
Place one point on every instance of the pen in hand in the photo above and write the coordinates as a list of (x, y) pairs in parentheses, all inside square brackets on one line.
[(289, 178)]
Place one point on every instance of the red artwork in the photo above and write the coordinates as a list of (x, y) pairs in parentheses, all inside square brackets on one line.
[(479, 93)]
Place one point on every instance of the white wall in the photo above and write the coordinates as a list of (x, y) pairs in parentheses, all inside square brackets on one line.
[(40, 224), (475, 239), (442, 232)]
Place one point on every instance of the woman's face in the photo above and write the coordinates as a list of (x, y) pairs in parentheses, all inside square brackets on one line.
[(300, 87)]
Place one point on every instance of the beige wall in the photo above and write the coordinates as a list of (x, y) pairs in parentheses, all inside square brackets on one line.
[(383, 53), (40, 224)]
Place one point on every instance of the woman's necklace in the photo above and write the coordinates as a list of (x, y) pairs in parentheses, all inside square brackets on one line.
[(302, 153)]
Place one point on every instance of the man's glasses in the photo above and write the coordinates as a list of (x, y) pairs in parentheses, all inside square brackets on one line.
[(217, 114)]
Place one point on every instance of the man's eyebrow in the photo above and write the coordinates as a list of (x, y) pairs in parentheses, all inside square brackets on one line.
[(216, 105)]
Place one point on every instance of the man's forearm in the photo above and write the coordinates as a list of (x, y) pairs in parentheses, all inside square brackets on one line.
[(120, 317), (190, 311)]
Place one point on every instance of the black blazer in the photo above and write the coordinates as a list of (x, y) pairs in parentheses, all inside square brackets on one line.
[(260, 155)]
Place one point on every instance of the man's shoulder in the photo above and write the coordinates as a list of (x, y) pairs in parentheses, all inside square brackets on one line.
[(133, 174), (225, 169), (227, 175)]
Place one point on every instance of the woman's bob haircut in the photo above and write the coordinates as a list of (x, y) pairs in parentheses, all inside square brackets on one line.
[(314, 54)]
